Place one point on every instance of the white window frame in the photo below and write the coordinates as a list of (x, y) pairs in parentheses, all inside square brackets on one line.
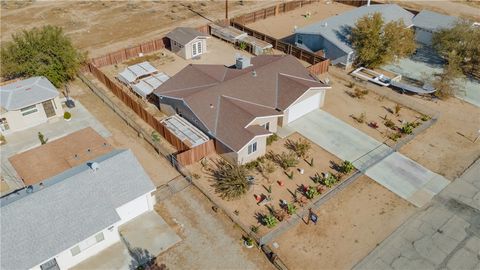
[(29, 110), (252, 148), (197, 48), (266, 126)]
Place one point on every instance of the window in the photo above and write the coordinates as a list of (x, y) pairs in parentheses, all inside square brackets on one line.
[(75, 250), (4, 124), (196, 48), (28, 110), (267, 126), (299, 39), (252, 148)]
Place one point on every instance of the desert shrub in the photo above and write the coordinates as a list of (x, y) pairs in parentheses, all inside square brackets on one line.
[(389, 123), (266, 168), (425, 117), (284, 160), (67, 115), (279, 214), (408, 128), (242, 46), (311, 192), (330, 180), (360, 93), (350, 84), (291, 209), (397, 109), (252, 165), (361, 118), (269, 220), (42, 138), (196, 176), (394, 136), (346, 167), (317, 178), (299, 147), (230, 180), (155, 136), (272, 138)]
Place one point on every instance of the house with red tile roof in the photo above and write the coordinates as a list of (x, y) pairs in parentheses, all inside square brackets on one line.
[(240, 106)]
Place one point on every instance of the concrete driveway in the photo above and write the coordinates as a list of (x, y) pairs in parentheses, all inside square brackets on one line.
[(393, 170)]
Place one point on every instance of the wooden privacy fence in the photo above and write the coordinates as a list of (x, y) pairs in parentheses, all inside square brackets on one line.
[(318, 63), (272, 11), (196, 153)]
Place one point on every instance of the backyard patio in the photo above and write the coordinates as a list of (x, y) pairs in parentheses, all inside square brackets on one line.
[(275, 193)]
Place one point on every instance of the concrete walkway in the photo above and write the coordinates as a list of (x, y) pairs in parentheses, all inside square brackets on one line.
[(444, 235), (394, 171)]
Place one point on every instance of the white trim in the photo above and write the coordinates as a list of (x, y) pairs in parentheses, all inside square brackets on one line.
[(260, 117), (308, 80), (311, 88)]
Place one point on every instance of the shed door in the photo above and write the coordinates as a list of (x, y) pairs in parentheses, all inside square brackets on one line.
[(48, 107), (196, 48), (303, 107)]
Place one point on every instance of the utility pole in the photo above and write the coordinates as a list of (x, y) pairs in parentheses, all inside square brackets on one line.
[(226, 9)]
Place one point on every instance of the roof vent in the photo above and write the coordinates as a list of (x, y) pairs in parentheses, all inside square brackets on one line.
[(29, 189), (211, 106), (254, 73), (94, 166), (242, 62)]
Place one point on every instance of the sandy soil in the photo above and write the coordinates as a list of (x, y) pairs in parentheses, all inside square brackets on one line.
[(282, 26), (447, 147), (247, 205), (157, 167), (453, 8), (350, 226), (340, 104), (209, 240), (105, 26)]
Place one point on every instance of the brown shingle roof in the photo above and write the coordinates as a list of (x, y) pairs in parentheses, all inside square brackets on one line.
[(50, 159), (240, 96)]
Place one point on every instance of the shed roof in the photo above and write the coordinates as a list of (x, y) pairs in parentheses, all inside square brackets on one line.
[(133, 72), (71, 207), (227, 99), (337, 28), (433, 21), (50, 159), (23, 93), (184, 35)]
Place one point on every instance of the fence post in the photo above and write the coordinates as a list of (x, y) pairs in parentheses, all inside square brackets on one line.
[(276, 9)]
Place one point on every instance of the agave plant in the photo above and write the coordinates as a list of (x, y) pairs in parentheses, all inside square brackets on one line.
[(269, 220), (291, 208), (346, 167)]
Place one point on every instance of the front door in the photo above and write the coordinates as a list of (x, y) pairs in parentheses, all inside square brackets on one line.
[(48, 107)]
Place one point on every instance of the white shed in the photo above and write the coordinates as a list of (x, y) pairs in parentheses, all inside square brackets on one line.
[(187, 42)]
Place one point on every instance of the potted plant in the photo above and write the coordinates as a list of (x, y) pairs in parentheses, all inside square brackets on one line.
[(248, 242), (67, 116)]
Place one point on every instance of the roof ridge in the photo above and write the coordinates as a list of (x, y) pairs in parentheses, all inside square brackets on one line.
[(195, 66), (189, 88), (246, 101), (296, 77)]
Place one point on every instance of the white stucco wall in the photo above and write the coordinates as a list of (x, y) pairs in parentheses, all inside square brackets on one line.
[(17, 121), (260, 121), (306, 95), (243, 156), (127, 212)]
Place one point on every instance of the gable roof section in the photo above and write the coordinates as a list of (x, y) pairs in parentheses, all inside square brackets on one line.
[(433, 21), (336, 29), (231, 90), (71, 207), (51, 159), (184, 35), (23, 93)]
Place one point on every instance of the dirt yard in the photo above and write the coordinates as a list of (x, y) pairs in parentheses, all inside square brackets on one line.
[(350, 225), (277, 185), (123, 136), (105, 26), (282, 26), (466, 8), (209, 240), (340, 103)]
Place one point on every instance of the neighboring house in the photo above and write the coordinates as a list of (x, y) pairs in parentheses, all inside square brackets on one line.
[(142, 78), (330, 37), (61, 154), (428, 22), (74, 214), (27, 103), (241, 106), (187, 42)]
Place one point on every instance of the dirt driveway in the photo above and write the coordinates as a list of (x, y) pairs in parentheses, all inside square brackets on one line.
[(350, 225)]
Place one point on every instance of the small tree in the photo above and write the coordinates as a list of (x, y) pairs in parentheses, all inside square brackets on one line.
[(230, 180), (45, 51), (377, 43), (446, 82)]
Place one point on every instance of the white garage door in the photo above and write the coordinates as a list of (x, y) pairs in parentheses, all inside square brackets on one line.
[(303, 107)]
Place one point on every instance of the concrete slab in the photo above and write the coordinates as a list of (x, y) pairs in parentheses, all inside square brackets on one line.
[(399, 174), (114, 257), (148, 232)]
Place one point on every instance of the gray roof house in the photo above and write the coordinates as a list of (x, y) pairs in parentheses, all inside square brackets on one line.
[(188, 42), (428, 22), (240, 106), (27, 103), (48, 224), (331, 35)]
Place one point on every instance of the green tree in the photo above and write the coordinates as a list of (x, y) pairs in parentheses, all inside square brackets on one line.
[(42, 51), (377, 43), (446, 83), (459, 45)]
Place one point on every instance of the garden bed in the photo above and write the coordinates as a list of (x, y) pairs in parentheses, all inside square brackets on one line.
[(274, 192), (375, 115)]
